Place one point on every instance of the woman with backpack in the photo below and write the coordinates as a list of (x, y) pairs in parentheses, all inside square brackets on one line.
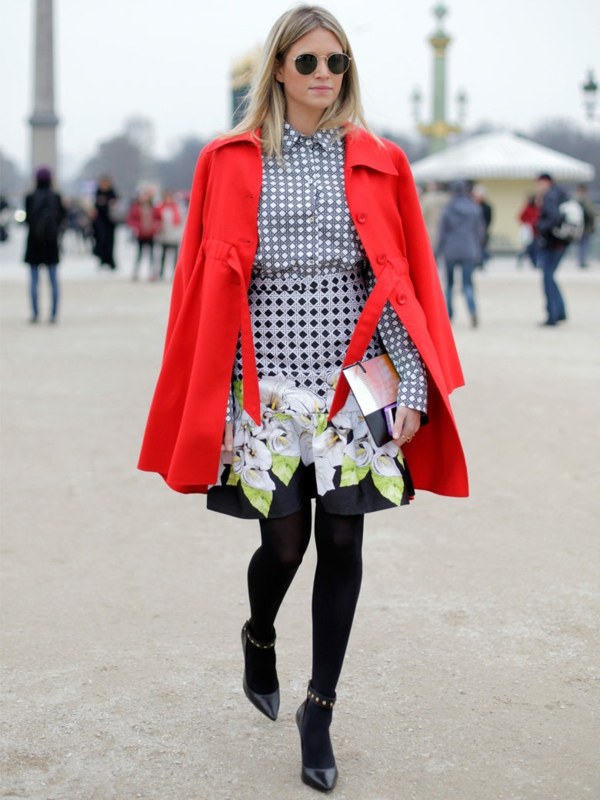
[(45, 214)]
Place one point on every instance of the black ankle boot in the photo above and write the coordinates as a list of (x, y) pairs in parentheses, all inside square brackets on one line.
[(267, 704), (318, 762)]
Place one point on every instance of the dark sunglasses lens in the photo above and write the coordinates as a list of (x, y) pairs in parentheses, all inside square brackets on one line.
[(338, 63), (306, 63)]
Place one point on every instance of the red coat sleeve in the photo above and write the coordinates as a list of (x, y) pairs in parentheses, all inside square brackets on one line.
[(167, 409)]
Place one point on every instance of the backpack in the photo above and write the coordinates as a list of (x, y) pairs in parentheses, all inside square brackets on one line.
[(570, 228)]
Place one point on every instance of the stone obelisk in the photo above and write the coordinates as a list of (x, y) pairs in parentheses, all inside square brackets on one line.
[(43, 121)]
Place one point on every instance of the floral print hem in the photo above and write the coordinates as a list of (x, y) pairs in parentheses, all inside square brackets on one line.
[(295, 452)]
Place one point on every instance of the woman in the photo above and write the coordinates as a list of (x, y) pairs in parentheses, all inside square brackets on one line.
[(45, 215), (295, 218), (144, 220), (171, 230), (528, 217), (104, 222)]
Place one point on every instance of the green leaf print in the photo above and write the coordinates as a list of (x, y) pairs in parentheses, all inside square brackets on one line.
[(321, 424), (238, 393), (284, 467), (351, 474), (261, 499), (233, 478), (281, 417), (391, 487)]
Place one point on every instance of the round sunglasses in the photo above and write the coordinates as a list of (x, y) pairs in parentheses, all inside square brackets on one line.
[(337, 63)]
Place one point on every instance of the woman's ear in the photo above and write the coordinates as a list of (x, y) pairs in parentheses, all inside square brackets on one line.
[(278, 72)]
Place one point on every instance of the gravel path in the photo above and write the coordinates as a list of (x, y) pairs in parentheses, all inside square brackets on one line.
[(473, 671)]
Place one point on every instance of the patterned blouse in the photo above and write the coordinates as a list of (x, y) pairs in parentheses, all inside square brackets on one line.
[(311, 277)]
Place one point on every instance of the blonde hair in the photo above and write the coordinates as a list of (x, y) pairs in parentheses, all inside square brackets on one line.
[(266, 99)]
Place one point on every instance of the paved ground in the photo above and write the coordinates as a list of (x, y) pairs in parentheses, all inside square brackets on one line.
[(474, 668)]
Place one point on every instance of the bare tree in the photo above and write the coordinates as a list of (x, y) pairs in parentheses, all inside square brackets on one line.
[(568, 137), (177, 172), (12, 182), (120, 158)]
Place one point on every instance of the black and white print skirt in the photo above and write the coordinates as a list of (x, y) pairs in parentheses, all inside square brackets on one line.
[(295, 453)]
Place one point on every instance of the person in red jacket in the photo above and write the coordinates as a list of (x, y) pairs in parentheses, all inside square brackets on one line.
[(304, 251), (528, 218), (145, 221)]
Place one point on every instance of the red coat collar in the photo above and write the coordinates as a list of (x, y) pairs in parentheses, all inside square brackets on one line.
[(362, 148)]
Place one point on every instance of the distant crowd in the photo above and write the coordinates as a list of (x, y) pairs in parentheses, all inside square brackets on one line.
[(458, 218)]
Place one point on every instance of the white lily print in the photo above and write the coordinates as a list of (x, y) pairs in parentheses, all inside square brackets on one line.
[(294, 430), (385, 465), (330, 446), (363, 452), (324, 472), (282, 440), (258, 455), (257, 479), (306, 447)]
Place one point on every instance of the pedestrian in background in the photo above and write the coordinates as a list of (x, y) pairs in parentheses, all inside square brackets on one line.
[(550, 247), (434, 200), (460, 241), (45, 214), (305, 234), (144, 221), (104, 221), (589, 224), (171, 229), (528, 217), (5, 217), (487, 212)]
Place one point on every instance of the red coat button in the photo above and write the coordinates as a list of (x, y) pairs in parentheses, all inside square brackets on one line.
[(381, 259), (361, 218), (401, 297)]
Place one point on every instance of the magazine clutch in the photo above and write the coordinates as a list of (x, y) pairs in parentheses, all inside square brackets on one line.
[(374, 384)]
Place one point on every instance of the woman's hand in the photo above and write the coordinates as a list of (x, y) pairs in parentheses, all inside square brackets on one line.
[(227, 446), (406, 424)]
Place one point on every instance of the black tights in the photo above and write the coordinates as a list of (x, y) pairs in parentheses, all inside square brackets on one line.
[(335, 592)]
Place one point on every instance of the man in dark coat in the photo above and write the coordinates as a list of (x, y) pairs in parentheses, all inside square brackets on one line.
[(550, 248), (45, 214)]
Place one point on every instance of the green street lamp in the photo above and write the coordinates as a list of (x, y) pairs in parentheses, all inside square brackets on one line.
[(438, 129), (590, 94)]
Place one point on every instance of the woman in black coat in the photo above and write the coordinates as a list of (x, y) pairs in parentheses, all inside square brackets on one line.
[(104, 223), (45, 215)]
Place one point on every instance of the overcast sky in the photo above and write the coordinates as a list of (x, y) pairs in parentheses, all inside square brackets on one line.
[(520, 62)]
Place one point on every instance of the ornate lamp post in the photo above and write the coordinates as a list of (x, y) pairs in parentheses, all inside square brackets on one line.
[(462, 101), (590, 94), (439, 128)]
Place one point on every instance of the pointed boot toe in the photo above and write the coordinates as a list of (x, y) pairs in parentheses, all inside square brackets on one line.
[(267, 704), (323, 780)]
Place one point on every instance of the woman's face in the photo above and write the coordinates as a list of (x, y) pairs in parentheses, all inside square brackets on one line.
[(307, 96)]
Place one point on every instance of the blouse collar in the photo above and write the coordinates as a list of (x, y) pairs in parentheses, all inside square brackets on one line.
[(325, 137)]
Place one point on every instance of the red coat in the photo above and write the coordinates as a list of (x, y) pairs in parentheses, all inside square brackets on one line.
[(144, 227), (209, 311)]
